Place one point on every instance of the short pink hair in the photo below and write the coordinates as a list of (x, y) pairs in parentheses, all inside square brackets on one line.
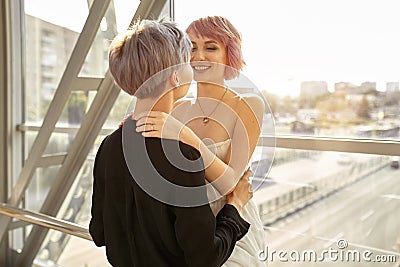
[(222, 30)]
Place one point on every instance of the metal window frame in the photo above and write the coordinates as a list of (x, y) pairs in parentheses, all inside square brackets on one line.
[(11, 99), (5, 116)]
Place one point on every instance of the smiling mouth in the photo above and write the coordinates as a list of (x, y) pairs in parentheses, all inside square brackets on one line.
[(201, 68)]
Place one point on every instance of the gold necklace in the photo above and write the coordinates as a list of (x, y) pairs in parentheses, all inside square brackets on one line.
[(206, 118)]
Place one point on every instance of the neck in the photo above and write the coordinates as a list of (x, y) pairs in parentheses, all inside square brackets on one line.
[(164, 104), (210, 90)]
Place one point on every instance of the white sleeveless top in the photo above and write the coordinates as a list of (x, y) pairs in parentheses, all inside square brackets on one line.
[(247, 249)]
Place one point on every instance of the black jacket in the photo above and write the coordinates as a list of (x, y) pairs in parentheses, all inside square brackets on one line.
[(139, 230)]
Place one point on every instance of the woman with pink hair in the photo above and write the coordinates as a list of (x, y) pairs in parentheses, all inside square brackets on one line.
[(223, 125)]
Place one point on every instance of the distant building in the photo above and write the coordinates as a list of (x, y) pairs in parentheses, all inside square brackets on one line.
[(368, 86), (345, 87), (48, 49), (310, 91), (392, 87), (350, 88)]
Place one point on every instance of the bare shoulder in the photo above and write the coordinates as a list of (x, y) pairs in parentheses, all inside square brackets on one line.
[(180, 108), (253, 100), (182, 101)]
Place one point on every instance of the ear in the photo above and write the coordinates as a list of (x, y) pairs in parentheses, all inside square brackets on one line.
[(174, 79)]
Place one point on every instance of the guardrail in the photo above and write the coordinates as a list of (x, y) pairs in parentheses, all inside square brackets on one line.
[(277, 207), (45, 221), (387, 147)]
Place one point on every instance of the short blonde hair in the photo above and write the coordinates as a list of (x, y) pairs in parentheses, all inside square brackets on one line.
[(147, 48)]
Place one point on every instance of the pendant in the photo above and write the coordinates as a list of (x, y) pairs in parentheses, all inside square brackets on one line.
[(205, 120)]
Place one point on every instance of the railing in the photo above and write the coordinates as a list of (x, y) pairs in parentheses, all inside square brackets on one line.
[(388, 147), (45, 220), (385, 147)]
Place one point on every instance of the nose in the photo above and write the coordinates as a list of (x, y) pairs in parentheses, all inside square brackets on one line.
[(198, 55)]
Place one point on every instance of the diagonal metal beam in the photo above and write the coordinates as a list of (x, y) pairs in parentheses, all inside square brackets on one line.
[(86, 83), (56, 106)]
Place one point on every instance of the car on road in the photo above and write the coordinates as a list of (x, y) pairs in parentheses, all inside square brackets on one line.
[(395, 162)]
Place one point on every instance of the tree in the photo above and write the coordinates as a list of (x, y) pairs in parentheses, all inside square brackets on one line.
[(364, 109)]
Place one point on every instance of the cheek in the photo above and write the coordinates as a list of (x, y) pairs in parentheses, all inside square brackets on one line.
[(222, 58)]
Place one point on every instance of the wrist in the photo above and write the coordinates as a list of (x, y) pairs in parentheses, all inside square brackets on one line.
[(189, 137), (237, 206)]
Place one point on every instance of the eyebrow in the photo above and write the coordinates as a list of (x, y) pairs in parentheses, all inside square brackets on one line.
[(207, 42)]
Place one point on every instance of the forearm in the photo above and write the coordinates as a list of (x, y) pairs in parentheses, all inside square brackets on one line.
[(223, 176)]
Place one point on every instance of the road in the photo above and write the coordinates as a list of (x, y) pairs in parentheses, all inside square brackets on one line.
[(305, 169), (365, 214)]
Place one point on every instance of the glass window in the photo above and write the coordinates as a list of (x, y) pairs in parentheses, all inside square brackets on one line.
[(326, 68)]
